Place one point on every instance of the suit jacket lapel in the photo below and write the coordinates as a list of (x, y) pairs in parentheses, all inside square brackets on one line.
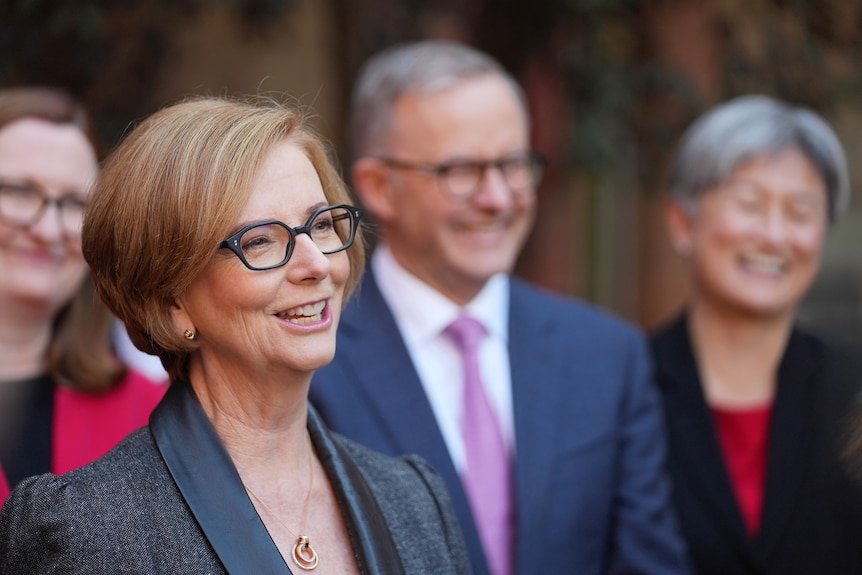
[(389, 383), (693, 438), (366, 525), (535, 401), (791, 435), (208, 481), (391, 388), (210, 484)]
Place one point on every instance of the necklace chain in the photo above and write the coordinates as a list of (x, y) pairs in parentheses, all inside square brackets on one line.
[(303, 554)]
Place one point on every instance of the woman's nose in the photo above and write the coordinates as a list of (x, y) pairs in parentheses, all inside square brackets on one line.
[(307, 260), (47, 225)]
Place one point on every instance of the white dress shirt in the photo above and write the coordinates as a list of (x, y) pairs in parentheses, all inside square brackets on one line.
[(422, 314)]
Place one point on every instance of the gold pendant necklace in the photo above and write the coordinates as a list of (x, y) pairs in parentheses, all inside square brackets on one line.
[(303, 554)]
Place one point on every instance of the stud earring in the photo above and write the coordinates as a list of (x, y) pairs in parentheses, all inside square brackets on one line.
[(189, 334)]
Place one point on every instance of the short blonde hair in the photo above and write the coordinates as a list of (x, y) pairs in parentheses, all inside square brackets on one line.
[(168, 196)]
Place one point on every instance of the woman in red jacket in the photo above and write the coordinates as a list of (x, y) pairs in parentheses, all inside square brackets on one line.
[(65, 398)]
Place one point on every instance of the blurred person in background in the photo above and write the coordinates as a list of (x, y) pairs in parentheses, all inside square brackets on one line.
[(757, 408), (539, 411), (65, 398), (148, 364), (231, 223)]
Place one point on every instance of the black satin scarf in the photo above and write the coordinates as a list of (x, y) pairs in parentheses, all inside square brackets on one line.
[(210, 484)]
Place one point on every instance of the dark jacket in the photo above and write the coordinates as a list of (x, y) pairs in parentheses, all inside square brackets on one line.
[(812, 513), (592, 495)]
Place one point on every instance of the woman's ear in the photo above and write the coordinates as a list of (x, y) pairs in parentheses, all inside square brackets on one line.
[(680, 227), (180, 319), (371, 181)]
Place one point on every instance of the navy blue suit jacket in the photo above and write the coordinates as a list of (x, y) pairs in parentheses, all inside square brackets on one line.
[(591, 494)]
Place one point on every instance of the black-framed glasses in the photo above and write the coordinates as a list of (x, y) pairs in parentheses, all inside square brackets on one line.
[(21, 204), (268, 245), (521, 171)]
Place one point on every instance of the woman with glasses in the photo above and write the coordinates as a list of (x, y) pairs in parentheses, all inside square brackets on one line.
[(756, 407), (65, 398), (220, 233)]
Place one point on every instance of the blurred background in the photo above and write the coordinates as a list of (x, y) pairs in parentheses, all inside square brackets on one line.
[(611, 85)]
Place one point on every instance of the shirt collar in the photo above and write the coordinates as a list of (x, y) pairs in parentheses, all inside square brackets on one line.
[(422, 313)]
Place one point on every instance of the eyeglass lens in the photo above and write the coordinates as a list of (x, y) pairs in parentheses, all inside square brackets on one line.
[(269, 245), (23, 204), (520, 173)]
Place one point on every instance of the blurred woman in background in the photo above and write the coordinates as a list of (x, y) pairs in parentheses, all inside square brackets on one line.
[(65, 398), (756, 407)]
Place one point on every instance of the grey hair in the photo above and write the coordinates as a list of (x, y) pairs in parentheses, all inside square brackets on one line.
[(749, 127), (412, 68)]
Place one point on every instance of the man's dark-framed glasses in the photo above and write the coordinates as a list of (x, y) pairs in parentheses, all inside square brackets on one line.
[(268, 245), (462, 177), (23, 203)]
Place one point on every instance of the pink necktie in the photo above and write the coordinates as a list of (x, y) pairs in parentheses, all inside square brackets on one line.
[(487, 476)]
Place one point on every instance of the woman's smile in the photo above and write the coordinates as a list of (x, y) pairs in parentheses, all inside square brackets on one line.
[(308, 314)]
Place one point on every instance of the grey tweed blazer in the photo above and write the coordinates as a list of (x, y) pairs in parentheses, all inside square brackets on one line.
[(157, 504)]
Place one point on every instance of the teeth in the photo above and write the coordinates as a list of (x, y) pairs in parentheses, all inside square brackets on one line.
[(304, 314), (766, 264), (482, 227)]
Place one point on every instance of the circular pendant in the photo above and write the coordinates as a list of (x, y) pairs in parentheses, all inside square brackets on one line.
[(303, 554)]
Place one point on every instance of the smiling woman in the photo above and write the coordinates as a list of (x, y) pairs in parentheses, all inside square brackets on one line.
[(235, 230), (65, 398), (754, 406)]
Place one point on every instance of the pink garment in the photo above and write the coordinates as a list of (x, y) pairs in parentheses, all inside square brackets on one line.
[(4, 488), (487, 477), (88, 425)]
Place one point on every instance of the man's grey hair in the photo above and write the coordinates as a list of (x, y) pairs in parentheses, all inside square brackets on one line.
[(751, 127), (412, 68)]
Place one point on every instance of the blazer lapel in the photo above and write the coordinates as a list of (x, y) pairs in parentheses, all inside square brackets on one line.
[(791, 434), (535, 404), (208, 481), (391, 389), (389, 384), (366, 526), (210, 484), (692, 436)]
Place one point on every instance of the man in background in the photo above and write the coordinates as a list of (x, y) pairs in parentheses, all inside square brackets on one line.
[(537, 410)]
